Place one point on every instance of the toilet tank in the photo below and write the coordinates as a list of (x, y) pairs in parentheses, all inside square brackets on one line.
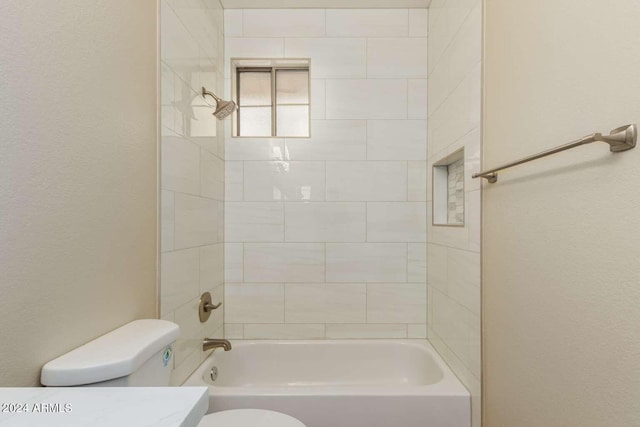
[(138, 354)]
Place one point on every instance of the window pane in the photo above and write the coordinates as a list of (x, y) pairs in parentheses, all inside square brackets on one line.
[(292, 87), (255, 88), (255, 121), (293, 120)]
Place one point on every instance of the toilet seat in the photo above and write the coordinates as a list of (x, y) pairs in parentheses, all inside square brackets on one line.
[(249, 418)]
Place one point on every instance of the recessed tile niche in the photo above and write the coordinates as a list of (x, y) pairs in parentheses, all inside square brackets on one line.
[(448, 190)]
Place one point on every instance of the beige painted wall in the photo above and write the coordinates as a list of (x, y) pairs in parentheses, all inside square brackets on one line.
[(560, 245), (78, 165)]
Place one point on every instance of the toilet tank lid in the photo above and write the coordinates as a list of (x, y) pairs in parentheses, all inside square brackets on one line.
[(116, 354)]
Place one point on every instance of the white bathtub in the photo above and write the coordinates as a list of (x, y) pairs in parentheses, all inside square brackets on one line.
[(350, 383)]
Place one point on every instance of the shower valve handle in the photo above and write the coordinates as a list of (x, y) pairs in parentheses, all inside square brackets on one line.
[(208, 306)]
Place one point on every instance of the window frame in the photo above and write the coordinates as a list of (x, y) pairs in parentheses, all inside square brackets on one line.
[(277, 65)]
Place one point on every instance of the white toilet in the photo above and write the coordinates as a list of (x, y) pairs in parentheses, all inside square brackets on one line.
[(138, 355)]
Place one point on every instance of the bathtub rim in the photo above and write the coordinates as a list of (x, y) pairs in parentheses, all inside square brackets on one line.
[(449, 385)]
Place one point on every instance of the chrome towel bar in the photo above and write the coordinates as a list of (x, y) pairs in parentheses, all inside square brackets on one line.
[(620, 139)]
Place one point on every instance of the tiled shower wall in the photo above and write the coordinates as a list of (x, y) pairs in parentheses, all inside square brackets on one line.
[(455, 54), (192, 174), (325, 237)]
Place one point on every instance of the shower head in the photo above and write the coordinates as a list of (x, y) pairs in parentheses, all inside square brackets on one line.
[(223, 108)]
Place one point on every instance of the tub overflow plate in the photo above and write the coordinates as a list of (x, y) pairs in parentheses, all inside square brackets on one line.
[(214, 373)]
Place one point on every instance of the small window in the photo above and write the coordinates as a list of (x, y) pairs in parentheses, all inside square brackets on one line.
[(273, 100)]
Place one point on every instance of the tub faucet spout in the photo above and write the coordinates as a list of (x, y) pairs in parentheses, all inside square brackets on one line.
[(209, 343)]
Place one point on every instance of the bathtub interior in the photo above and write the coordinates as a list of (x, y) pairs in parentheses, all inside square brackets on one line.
[(309, 367), (308, 364)]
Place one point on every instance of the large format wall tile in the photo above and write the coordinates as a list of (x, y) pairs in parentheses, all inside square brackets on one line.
[(254, 222), (239, 47), (255, 149), (396, 57), (397, 222), (234, 180), (367, 99), (180, 165), (325, 303), (281, 180), (290, 331), (211, 266), (282, 23), (331, 140), (417, 181), (325, 222), (196, 220), (233, 262), (178, 49), (331, 58), (371, 23), (366, 262), (284, 262), (318, 98), (233, 22), (180, 278), (254, 303), (396, 139), (465, 53), (212, 176), (190, 331), (463, 278), (417, 262), (417, 99), (418, 22), (437, 275), (366, 181), (167, 220), (364, 331), (397, 302)]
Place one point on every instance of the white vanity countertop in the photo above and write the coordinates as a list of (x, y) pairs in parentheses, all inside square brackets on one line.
[(103, 407)]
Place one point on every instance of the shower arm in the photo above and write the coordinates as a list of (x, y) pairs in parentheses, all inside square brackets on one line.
[(205, 92)]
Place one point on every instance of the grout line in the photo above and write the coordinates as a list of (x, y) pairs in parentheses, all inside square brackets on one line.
[(366, 140), (325, 98), (284, 305), (244, 180), (325, 262), (408, 23), (408, 99), (407, 264), (325, 22), (324, 198), (366, 221), (366, 57), (284, 221), (366, 303), (242, 262), (408, 183), (173, 237)]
